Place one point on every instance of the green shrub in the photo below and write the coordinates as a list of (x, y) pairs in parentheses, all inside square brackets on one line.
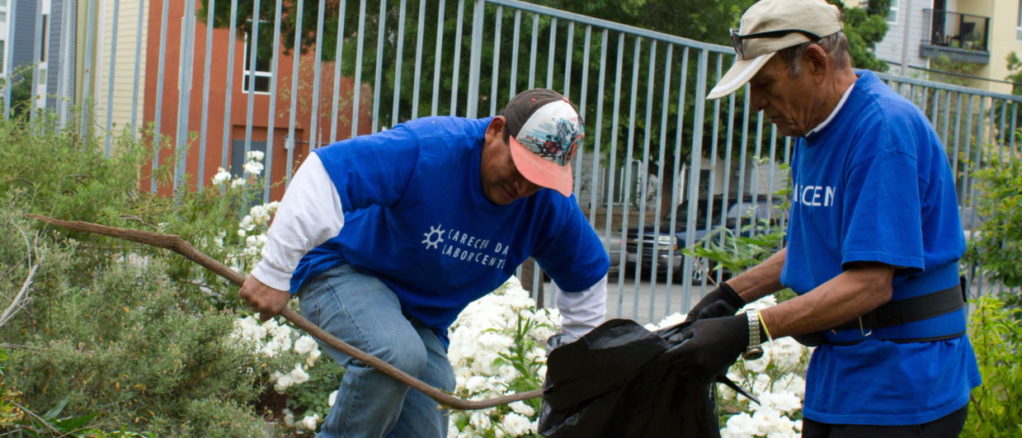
[(994, 410), (998, 245), (132, 337)]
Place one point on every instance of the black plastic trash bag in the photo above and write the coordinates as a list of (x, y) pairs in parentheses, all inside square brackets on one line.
[(614, 382)]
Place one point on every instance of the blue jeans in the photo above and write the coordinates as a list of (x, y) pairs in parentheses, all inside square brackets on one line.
[(361, 310)]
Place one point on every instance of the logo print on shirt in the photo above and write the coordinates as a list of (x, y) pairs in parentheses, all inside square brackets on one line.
[(437, 232), (814, 196)]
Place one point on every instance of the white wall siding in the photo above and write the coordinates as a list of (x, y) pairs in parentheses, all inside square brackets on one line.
[(124, 64)]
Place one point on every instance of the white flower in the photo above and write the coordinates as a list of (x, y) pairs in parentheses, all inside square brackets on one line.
[(668, 321), (331, 399), (237, 182), (791, 383), (298, 375), (311, 359), (283, 382), (289, 417), (305, 344), (221, 176), (786, 354), (772, 422), (309, 422), (253, 168), (480, 419), (761, 384), (757, 365), (522, 408), (255, 156), (783, 402), (740, 426), (516, 425)]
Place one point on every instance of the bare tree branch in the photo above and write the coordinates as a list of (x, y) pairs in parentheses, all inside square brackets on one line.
[(181, 246), (22, 298)]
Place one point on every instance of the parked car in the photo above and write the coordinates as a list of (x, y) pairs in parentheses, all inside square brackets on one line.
[(660, 249), (614, 246)]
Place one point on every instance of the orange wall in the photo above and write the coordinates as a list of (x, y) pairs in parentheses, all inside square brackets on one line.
[(239, 101)]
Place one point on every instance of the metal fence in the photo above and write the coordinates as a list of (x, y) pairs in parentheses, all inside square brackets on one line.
[(306, 73)]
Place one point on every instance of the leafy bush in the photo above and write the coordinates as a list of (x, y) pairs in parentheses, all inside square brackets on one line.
[(129, 337), (998, 245), (996, 337)]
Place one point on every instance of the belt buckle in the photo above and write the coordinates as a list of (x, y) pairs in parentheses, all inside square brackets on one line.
[(862, 329)]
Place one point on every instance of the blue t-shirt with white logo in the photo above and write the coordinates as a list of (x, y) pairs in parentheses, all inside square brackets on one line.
[(416, 217), (874, 185)]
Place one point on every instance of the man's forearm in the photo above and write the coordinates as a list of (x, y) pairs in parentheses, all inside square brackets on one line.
[(761, 280), (855, 291)]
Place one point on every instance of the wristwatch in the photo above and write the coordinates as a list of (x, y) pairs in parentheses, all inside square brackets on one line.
[(754, 351)]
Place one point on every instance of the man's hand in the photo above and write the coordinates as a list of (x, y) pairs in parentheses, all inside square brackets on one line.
[(722, 301), (262, 298), (707, 347)]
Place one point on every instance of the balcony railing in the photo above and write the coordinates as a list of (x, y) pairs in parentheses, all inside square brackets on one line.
[(961, 37)]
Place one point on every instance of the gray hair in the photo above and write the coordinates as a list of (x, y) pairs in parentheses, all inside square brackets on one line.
[(836, 46)]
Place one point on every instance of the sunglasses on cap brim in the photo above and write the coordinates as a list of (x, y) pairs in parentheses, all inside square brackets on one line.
[(737, 39)]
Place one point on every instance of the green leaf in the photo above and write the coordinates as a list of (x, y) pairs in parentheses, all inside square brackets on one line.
[(55, 411), (68, 425)]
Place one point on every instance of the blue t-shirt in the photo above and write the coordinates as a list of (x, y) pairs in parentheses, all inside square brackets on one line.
[(875, 185), (416, 217)]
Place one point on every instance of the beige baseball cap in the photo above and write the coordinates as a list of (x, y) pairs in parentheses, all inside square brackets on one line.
[(769, 26)]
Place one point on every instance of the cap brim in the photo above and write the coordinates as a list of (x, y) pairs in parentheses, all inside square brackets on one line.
[(740, 72), (540, 171)]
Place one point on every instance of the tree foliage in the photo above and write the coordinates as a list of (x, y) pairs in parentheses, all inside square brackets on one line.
[(998, 246), (444, 78), (1015, 75)]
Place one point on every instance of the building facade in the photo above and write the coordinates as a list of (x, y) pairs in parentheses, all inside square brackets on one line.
[(962, 41)]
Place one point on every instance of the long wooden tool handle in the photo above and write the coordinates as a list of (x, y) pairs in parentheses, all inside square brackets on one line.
[(181, 246)]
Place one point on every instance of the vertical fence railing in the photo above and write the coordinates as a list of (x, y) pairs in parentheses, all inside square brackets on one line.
[(661, 165)]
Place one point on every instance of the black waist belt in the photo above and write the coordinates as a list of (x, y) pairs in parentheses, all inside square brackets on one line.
[(896, 313), (908, 310)]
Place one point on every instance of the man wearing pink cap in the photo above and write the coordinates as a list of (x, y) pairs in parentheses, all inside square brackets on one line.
[(872, 246), (387, 237)]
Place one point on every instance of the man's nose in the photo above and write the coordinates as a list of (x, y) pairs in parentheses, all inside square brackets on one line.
[(756, 99)]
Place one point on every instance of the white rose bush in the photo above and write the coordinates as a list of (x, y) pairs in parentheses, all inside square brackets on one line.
[(498, 347)]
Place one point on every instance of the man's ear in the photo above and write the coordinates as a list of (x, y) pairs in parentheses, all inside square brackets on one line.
[(818, 61), (496, 129)]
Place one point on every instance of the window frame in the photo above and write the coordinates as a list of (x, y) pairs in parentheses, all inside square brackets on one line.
[(255, 74), (1018, 23), (894, 10)]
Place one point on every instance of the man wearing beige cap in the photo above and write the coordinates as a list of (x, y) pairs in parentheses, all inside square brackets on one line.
[(872, 246), (387, 237)]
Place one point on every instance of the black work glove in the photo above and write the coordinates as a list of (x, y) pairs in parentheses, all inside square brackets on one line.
[(707, 347), (722, 301)]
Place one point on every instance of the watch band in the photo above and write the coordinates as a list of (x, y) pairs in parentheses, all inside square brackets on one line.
[(753, 351)]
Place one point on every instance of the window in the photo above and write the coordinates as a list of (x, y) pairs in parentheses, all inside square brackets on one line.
[(892, 14), (262, 73), (1018, 25), (3, 56), (42, 47)]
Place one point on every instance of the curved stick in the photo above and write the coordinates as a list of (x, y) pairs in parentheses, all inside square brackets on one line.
[(181, 246)]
